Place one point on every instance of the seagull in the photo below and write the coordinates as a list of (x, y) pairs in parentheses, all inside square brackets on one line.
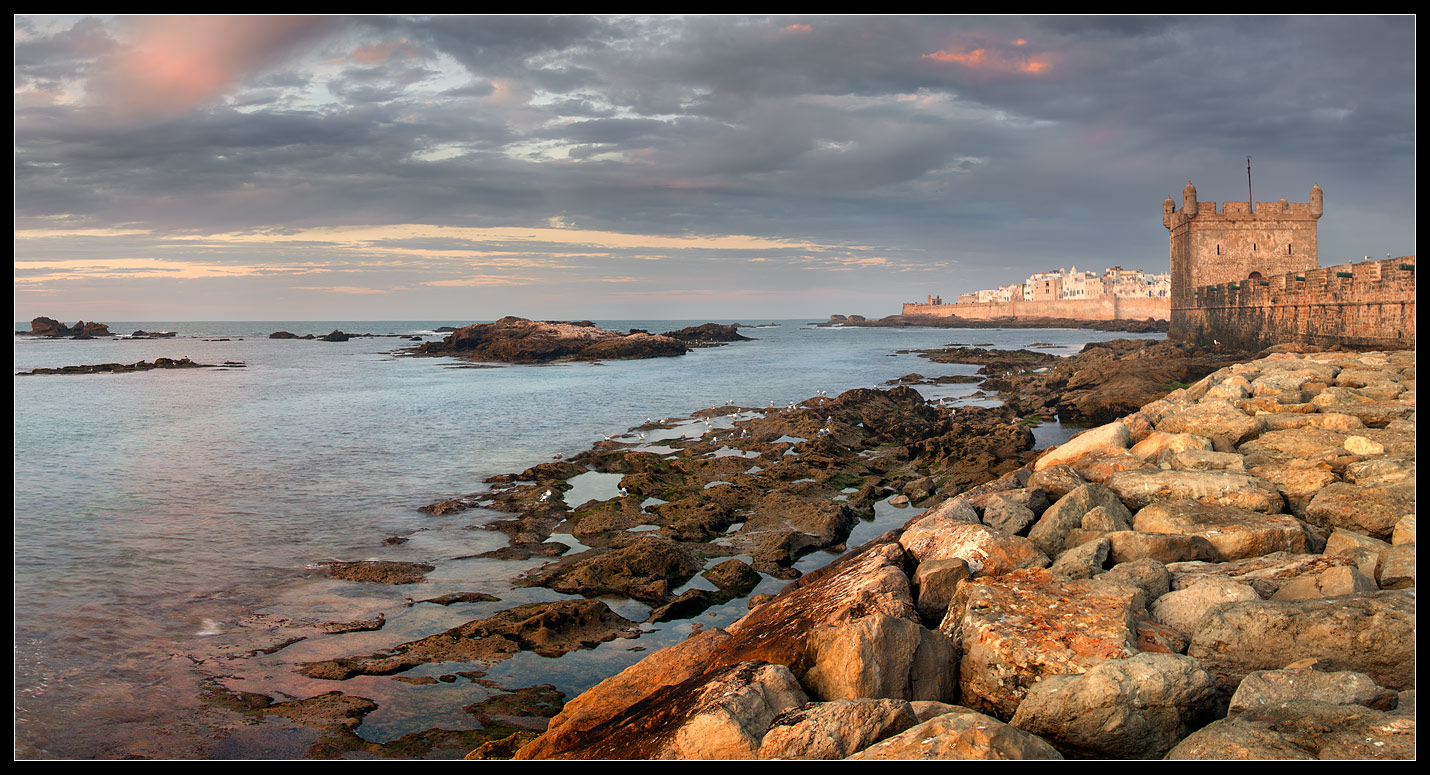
[(641, 436), (622, 492), (546, 496)]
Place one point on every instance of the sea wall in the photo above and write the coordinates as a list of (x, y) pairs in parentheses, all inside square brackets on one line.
[(1101, 308), (1370, 304)]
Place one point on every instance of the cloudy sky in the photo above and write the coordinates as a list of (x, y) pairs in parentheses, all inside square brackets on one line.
[(466, 168)]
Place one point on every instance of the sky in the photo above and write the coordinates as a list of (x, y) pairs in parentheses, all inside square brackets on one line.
[(698, 167)]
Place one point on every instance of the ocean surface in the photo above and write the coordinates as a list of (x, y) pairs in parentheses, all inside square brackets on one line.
[(168, 523)]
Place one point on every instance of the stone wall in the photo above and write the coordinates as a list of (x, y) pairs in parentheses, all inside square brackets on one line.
[(1100, 308), (1370, 304)]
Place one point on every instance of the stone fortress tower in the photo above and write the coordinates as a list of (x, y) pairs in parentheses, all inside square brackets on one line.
[(1239, 242)]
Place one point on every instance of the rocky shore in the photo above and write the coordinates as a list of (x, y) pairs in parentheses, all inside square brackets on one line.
[(1227, 572), (1106, 380)]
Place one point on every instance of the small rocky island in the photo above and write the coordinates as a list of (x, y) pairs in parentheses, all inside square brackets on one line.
[(54, 329), (518, 340)]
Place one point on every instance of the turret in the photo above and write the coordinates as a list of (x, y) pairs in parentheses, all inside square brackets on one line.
[(1316, 205), (1167, 207), (1189, 200)]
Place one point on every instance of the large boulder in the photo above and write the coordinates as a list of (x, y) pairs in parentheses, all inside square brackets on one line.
[(1372, 634), (1137, 489), (1014, 630), (1235, 533), (1136, 708)]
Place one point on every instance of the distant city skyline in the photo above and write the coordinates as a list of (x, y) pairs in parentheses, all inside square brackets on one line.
[(716, 167)]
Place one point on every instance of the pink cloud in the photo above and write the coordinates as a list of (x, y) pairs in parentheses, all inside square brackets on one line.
[(175, 63), (994, 60)]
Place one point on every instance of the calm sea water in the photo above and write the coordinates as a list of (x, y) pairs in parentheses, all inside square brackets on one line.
[(168, 521)]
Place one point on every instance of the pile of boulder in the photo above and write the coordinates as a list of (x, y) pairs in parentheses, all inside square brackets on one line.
[(1227, 573)]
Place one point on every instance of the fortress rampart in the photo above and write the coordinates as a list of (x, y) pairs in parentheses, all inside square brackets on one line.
[(1370, 304), (1250, 277), (1099, 308)]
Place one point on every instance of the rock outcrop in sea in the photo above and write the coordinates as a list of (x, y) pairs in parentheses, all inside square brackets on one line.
[(518, 340), (1227, 572), (49, 327)]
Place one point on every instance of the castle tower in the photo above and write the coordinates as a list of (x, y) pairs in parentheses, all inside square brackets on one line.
[(1211, 245)]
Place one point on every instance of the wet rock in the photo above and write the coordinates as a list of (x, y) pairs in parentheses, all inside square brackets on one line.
[(733, 577), (548, 629), (647, 569), (834, 730), (963, 735), (379, 571), (1135, 708), (450, 506), (357, 625), (461, 597)]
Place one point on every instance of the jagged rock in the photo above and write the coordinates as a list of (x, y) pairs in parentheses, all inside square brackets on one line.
[(1051, 531), (1135, 708), (1404, 531), (836, 729), (1303, 730), (1106, 520), (880, 656), (1056, 481), (936, 582), (1008, 516), (963, 735), (1372, 634), (1214, 419), (1148, 575), (1083, 561)]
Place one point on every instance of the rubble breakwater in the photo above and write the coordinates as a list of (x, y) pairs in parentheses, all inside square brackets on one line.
[(1227, 572)]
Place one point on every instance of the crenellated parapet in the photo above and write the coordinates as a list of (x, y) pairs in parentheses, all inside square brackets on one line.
[(1370, 304)]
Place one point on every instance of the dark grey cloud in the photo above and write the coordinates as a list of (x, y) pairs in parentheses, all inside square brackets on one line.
[(983, 141)]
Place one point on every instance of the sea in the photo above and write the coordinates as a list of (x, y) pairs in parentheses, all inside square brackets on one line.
[(169, 524)]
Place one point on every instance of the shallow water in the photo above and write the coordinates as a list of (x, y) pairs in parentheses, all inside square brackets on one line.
[(160, 516)]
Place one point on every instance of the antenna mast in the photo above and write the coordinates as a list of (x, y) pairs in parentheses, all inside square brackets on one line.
[(1250, 203)]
